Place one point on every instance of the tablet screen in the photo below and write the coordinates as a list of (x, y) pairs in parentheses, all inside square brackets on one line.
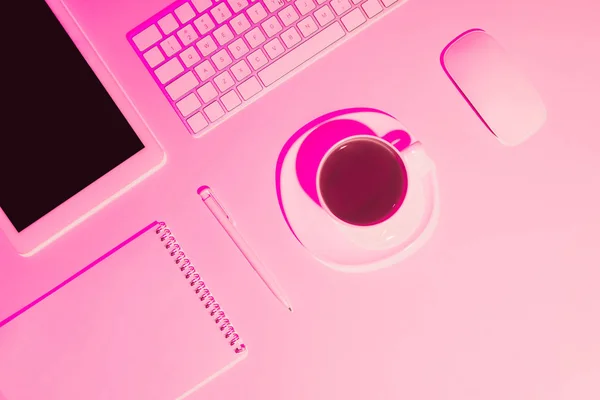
[(61, 129)]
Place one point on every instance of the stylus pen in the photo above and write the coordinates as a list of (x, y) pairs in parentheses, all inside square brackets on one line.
[(226, 222)]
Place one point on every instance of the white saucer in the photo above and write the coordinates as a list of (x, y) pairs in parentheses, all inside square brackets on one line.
[(325, 238)]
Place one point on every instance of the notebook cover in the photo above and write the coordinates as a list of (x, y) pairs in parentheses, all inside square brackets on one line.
[(130, 327)]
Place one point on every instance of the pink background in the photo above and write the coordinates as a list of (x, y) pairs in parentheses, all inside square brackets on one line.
[(501, 303)]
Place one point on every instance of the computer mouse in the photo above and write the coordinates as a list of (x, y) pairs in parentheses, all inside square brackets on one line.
[(495, 86)]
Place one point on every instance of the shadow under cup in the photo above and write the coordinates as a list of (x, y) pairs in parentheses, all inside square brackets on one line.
[(363, 181)]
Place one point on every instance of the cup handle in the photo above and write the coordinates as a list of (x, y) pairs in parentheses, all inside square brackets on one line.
[(416, 159), (399, 139)]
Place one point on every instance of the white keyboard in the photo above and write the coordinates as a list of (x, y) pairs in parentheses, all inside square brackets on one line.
[(212, 58)]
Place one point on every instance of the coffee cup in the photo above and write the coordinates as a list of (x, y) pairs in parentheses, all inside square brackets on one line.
[(363, 180), (352, 239)]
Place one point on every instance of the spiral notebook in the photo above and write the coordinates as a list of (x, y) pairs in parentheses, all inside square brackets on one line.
[(139, 324)]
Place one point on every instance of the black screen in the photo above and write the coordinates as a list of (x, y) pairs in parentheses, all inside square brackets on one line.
[(61, 131)]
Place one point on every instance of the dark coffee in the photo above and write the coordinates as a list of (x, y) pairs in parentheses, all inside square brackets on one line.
[(363, 182)]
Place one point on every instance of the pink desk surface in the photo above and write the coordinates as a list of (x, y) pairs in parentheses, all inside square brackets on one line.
[(502, 303)]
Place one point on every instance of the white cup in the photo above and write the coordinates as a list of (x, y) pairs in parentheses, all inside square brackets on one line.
[(384, 232)]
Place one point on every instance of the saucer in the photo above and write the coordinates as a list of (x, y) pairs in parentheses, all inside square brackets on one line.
[(328, 240)]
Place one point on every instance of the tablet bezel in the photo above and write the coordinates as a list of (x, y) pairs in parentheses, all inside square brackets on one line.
[(110, 186)]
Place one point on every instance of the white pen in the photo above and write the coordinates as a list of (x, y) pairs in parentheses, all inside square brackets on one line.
[(226, 222)]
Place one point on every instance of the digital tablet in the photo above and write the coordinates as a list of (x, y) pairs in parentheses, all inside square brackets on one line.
[(71, 140)]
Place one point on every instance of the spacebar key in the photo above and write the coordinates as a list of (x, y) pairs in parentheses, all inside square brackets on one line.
[(302, 53)]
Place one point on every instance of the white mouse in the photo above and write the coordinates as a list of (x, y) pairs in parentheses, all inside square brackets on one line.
[(495, 87)]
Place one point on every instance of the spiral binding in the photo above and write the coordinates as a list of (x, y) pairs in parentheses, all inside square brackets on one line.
[(199, 287)]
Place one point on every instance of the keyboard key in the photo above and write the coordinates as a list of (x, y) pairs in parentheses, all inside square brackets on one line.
[(170, 46), (154, 57), (207, 92), (249, 88), (307, 26), (223, 35), (224, 81), (255, 37), (257, 13), (271, 26), (147, 37), (241, 70), (257, 59), (182, 85), (168, 70), (185, 13), (205, 70), (190, 57), (291, 37), (274, 48), (197, 122), (168, 24), (214, 111), (288, 15), (202, 5), (221, 13), (221, 59), (204, 24), (372, 8), (305, 6), (188, 104), (240, 24), (388, 3), (340, 6), (231, 100), (238, 48), (206, 45), (237, 5), (324, 15), (274, 5), (301, 54), (353, 19), (187, 35)]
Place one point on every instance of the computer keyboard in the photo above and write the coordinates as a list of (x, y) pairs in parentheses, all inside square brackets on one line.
[(213, 57)]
